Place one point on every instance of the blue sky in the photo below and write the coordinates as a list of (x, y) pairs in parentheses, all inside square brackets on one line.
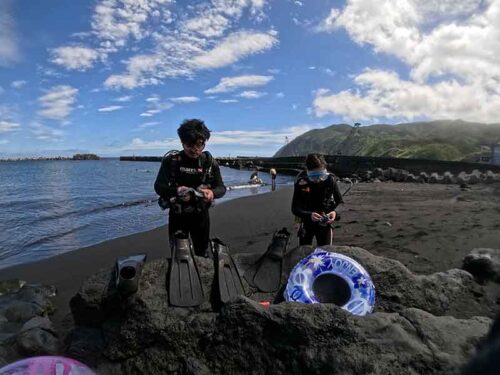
[(116, 77)]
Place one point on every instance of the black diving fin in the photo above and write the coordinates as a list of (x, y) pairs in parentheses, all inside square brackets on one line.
[(227, 276), (267, 277), (184, 288), (127, 273)]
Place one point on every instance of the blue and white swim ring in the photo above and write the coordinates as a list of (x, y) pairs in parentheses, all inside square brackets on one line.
[(320, 262)]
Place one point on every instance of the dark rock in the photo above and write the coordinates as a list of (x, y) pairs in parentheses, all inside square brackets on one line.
[(435, 178), (22, 311), (37, 341), (487, 359), (27, 302), (423, 177), (86, 345), (11, 286), (484, 264), (143, 334)]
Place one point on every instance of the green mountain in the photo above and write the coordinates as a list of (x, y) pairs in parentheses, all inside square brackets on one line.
[(438, 140)]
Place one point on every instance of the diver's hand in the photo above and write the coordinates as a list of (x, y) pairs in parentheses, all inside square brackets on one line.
[(208, 195), (183, 193), (331, 217), (316, 217)]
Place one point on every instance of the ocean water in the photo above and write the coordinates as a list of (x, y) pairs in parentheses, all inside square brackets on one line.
[(52, 207)]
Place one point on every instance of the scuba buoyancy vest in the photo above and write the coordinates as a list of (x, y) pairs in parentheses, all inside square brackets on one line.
[(173, 158), (330, 201)]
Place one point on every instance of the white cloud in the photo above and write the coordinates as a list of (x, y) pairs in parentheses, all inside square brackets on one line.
[(169, 143), (155, 107), (9, 50), (280, 95), (230, 137), (226, 101), (252, 94), (385, 95), (208, 25), (46, 133), (74, 58), (3, 141), (17, 84), (451, 49), (58, 102), (8, 126), (257, 137), (111, 108), (329, 23), (139, 73), (123, 99), (153, 98), (149, 124), (195, 37), (235, 47), (185, 99), (114, 22), (227, 84)]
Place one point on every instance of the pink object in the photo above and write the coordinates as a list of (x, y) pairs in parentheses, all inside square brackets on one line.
[(264, 304), (46, 365)]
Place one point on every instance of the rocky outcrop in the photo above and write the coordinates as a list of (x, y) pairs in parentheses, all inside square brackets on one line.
[(401, 175), (484, 264), (410, 332), (25, 327)]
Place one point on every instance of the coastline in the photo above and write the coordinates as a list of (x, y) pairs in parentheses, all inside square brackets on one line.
[(428, 227)]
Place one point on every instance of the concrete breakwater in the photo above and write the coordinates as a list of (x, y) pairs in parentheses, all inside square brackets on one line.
[(344, 166)]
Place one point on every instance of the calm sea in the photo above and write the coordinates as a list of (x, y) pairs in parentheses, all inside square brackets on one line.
[(52, 207)]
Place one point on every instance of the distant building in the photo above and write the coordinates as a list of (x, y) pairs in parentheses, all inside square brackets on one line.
[(490, 154), (496, 154)]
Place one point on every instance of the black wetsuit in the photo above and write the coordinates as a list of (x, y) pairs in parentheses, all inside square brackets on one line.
[(191, 217), (321, 197)]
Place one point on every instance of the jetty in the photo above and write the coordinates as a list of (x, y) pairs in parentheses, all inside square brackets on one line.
[(342, 165)]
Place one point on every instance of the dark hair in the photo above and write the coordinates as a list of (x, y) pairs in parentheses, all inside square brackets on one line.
[(192, 131), (314, 161)]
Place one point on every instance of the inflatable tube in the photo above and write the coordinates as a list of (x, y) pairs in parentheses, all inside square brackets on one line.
[(46, 365), (330, 277)]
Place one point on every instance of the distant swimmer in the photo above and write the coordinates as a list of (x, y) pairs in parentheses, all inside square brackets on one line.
[(254, 178), (316, 200)]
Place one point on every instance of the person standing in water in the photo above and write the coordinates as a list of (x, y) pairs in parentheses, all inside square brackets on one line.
[(273, 173)]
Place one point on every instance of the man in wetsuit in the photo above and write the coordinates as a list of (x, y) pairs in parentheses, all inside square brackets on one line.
[(315, 202), (187, 183)]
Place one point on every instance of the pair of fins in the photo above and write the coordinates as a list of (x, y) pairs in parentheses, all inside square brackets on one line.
[(269, 268), (185, 287)]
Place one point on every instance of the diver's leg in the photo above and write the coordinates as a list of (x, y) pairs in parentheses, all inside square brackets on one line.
[(200, 232), (324, 235), (307, 234)]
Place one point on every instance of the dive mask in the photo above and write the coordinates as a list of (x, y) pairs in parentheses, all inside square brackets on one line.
[(316, 176)]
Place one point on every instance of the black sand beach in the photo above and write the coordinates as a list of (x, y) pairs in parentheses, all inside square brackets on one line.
[(427, 227)]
